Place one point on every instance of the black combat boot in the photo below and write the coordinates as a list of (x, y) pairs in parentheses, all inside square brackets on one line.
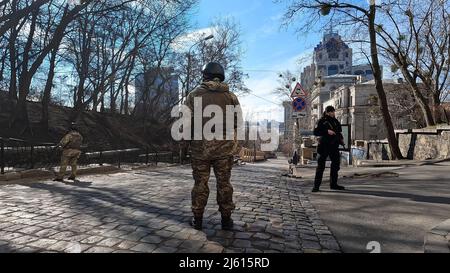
[(227, 223), (316, 189), (58, 180), (197, 223), (72, 178), (337, 188)]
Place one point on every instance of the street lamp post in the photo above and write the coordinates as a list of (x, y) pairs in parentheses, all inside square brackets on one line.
[(188, 79), (297, 120)]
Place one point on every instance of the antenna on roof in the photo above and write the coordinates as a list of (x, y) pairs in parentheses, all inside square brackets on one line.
[(330, 29)]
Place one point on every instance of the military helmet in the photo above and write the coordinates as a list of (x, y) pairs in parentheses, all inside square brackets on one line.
[(214, 70), (73, 126)]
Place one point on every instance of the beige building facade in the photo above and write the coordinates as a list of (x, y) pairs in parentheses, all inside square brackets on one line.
[(357, 105)]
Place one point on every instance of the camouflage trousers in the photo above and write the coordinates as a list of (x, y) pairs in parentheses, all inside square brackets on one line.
[(69, 157), (200, 192)]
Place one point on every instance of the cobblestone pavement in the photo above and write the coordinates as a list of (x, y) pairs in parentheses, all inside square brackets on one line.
[(148, 211)]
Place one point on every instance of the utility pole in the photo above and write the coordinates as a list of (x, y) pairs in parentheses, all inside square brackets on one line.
[(188, 79), (189, 64), (254, 151), (296, 127)]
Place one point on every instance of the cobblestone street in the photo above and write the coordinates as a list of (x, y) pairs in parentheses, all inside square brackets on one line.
[(148, 211)]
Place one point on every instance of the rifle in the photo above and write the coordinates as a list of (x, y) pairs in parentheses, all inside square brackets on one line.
[(53, 158)]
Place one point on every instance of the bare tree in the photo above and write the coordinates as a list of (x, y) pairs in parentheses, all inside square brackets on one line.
[(414, 38), (224, 48), (348, 14), (33, 57), (285, 80), (12, 13), (107, 58)]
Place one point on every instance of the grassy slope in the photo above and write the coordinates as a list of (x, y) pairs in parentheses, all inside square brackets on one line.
[(99, 129)]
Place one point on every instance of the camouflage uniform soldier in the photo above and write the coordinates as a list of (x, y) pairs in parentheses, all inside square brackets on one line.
[(71, 145), (217, 154)]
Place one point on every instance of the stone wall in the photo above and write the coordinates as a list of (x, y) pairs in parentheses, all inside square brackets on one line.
[(425, 144), (379, 151)]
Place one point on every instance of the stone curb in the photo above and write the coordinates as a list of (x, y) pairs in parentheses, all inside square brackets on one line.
[(437, 240), (400, 163), (29, 174)]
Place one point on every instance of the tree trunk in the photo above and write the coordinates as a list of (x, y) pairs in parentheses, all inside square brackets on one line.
[(437, 109), (2, 69), (19, 119), (422, 101), (127, 82), (10, 20), (393, 142), (13, 68), (79, 92), (94, 102), (20, 114), (121, 101), (102, 103), (125, 107), (48, 89)]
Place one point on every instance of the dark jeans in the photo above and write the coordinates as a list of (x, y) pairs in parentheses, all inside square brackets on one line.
[(335, 166)]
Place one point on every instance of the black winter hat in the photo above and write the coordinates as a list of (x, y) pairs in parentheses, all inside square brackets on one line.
[(330, 109)]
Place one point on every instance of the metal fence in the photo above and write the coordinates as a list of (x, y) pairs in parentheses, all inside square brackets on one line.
[(19, 155)]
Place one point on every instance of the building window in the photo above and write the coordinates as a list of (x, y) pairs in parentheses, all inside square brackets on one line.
[(332, 70)]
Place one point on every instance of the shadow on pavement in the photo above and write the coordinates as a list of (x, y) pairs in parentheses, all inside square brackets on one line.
[(78, 183), (108, 202), (7, 249), (412, 197)]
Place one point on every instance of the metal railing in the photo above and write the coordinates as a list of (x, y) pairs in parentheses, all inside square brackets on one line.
[(19, 155)]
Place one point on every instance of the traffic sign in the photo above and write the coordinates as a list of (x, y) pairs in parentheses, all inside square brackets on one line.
[(299, 104), (299, 91), (298, 115)]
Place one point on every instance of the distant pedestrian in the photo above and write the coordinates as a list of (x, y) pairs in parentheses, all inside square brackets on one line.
[(71, 146), (330, 132), (295, 158)]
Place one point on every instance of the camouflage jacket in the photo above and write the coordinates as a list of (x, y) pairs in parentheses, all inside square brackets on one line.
[(213, 93), (71, 140)]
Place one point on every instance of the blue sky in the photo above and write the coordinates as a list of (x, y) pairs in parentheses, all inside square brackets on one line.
[(267, 47)]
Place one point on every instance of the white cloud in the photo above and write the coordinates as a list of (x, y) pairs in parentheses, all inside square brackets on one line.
[(264, 104), (272, 26)]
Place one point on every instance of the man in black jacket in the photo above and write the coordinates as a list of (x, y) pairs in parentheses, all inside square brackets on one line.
[(330, 132)]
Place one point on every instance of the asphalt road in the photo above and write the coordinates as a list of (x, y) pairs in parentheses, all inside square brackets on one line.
[(396, 212)]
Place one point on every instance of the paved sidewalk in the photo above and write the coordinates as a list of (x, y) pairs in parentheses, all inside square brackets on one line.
[(395, 211), (148, 211)]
